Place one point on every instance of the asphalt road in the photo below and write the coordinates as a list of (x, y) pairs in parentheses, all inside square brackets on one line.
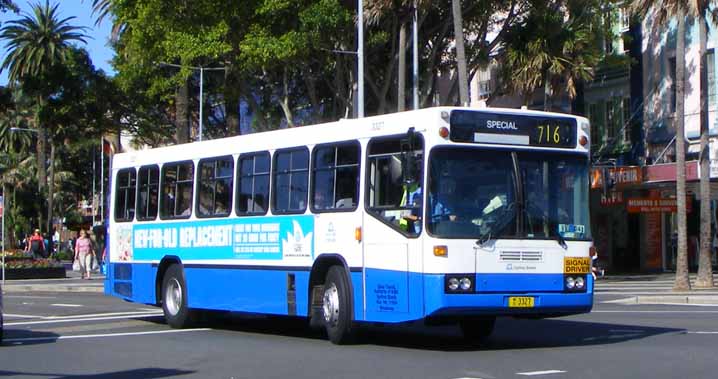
[(88, 335)]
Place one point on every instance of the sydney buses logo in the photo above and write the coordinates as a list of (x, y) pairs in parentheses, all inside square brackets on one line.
[(297, 244)]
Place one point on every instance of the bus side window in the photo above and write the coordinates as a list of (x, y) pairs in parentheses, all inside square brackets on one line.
[(335, 177), (291, 181), (177, 183), (148, 192), (394, 189), (253, 184), (125, 195), (214, 187)]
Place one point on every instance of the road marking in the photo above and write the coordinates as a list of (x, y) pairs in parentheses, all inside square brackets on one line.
[(33, 339), (28, 297), (699, 332), (657, 311), (143, 312), (545, 372), (67, 305), (75, 319), (21, 316)]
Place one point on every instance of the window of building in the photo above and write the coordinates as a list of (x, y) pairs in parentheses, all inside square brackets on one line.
[(253, 184), (214, 187), (125, 195), (335, 177), (394, 182), (594, 116), (291, 181), (627, 121), (148, 192), (176, 183)]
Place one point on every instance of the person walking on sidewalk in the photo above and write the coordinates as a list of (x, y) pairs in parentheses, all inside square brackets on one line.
[(83, 254)]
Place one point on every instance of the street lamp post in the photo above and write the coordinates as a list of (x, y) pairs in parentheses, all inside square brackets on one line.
[(201, 87)]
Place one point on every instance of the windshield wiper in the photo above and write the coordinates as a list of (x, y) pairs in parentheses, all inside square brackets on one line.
[(561, 241), (499, 225)]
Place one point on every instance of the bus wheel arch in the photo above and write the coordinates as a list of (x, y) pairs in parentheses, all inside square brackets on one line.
[(175, 305), (165, 263), (331, 300)]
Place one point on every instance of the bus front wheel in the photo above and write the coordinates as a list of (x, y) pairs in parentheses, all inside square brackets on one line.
[(336, 308), (174, 299), (477, 329)]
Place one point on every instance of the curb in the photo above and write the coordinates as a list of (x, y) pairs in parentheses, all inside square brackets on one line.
[(669, 300), (15, 288)]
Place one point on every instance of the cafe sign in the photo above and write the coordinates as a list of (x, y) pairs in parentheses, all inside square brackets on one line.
[(621, 175), (654, 205)]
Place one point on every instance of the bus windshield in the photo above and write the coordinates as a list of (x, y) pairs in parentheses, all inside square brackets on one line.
[(474, 193)]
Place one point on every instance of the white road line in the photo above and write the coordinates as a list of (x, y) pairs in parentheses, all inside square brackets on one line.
[(656, 311), (143, 312), (33, 339), (56, 321), (21, 316), (702, 332), (67, 305), (545, 372), (28, 297)]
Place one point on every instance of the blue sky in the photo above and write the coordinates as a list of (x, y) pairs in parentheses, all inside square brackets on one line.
[(98, 36)]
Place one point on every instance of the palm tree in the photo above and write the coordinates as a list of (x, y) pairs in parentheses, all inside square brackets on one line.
[(36, 44), (546, 50), (700, 11), (664, 11)]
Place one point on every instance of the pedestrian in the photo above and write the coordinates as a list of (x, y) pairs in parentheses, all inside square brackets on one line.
[(83, 254), (37, 245)]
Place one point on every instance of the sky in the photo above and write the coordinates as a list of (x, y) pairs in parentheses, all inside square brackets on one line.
[(98, 36)]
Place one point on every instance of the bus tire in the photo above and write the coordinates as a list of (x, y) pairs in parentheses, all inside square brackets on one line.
[(477, 329), (174, 299), (336, 307)]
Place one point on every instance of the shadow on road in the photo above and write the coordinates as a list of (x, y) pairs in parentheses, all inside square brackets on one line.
[(147, 373), (510, 333)]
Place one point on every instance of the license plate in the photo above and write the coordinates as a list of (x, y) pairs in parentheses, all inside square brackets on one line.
[(576, 265), (521, 302)]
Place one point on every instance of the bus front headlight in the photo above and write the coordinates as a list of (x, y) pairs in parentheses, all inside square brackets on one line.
[(465, 284), (570, 283), (453, 284)]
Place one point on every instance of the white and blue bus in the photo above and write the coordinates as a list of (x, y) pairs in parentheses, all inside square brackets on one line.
[(448, 215)]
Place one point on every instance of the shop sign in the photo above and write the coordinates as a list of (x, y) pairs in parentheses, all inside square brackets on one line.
[(666, 172), (620, 175), (612, 198), (650, 205)]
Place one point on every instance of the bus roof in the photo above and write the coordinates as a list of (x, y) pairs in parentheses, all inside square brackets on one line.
[(388, 124)]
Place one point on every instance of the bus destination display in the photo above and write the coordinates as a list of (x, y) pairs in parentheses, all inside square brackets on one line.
[(480, 127)]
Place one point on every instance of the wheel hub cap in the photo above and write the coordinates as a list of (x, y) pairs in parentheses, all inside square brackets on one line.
[(331, 305), (173, 296)]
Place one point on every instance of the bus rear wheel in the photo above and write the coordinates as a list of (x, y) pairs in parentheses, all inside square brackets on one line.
[(477, 329), (336, 307), (174, 299)]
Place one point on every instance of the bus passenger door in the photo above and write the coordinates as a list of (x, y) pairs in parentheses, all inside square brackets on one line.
[(392, 249)]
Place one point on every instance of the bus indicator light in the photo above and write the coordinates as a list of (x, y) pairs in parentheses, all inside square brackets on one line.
[(441, 251), (583, 141), (444, 132), (357, 233)]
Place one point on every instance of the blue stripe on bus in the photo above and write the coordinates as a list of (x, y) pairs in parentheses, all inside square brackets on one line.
[(391, 296)]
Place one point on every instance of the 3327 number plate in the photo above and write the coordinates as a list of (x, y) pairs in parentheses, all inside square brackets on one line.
[(521, 302)]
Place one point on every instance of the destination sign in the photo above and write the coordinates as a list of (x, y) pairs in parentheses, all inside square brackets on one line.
[(483, 127)]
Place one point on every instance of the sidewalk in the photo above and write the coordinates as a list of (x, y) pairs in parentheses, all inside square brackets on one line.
[(71, 283), (654, 289)]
